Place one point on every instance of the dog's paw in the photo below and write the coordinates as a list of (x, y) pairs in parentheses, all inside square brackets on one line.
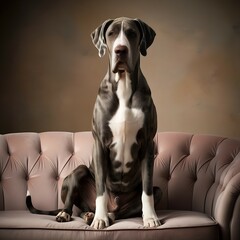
[(150, 218), (103, 223), (100, 223), (151, 222), (63, 217), (88, 217)]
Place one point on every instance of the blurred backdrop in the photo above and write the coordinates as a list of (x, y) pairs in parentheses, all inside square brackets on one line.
[(50, 71)]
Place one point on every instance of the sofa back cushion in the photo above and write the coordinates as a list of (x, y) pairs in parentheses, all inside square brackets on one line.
[(39, 163), (191, 170)]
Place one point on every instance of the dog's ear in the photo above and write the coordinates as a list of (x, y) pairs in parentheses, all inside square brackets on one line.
[(147, 36), (98, 37)]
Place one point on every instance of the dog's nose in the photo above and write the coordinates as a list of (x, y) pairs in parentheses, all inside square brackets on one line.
[(121, 50)]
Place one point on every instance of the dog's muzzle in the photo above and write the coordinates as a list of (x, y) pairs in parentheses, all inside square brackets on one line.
[(121, 59)]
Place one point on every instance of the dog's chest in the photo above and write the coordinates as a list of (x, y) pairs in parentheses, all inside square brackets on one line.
[(124, 125)]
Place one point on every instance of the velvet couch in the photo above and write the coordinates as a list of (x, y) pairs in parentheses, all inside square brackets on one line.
[(199, 176)]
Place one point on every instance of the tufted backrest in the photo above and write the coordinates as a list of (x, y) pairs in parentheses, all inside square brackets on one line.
[(191, 170), (39, 163), (194, 170)]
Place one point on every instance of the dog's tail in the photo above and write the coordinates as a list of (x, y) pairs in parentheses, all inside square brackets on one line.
[(32, 209)]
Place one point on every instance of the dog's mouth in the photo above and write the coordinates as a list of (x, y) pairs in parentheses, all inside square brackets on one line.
[(121, 67)]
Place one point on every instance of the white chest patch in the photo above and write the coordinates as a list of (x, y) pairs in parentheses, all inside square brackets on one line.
[(124, 126)]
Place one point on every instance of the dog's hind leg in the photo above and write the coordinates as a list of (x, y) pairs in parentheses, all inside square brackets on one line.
[(86, 198), (70, 192), (67, 195)]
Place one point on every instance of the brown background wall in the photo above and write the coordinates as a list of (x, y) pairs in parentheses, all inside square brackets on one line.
[(50, 71)]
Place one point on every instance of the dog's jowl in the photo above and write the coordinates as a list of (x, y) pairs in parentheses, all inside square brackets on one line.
[(124, 125)]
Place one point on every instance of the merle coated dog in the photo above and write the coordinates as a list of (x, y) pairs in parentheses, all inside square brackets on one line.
[(124, 125)]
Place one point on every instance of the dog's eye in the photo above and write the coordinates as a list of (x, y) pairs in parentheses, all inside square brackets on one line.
[(131, 33), (110, 33)]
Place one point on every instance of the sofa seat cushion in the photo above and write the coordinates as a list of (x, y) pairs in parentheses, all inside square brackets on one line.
[(183, 224)]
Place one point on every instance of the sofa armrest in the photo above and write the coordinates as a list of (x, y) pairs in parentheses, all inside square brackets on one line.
[(207, 170), (227, 207)]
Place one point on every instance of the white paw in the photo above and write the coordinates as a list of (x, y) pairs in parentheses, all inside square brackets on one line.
[(63, 217), (151, 222), (150, 218), (100, 222)]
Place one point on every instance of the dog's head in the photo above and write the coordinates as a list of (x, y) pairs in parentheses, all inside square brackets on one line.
[(125, 39)]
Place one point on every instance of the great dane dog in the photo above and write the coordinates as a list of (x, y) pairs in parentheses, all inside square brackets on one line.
[(124, 125)]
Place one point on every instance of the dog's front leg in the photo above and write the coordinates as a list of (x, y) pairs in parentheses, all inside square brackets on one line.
[(100, 220), (150, 218)]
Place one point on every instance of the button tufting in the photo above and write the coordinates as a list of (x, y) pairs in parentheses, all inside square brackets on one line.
[(27, 178), (187, 154), (57, 178)]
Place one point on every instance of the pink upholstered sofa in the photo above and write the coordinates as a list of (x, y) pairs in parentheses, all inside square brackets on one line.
[(199, 176)]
